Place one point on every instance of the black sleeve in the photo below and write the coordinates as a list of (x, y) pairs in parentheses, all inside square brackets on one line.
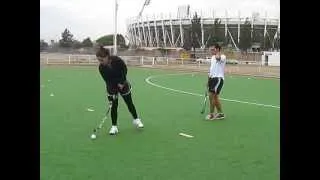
[(123, 71), (102, 73)]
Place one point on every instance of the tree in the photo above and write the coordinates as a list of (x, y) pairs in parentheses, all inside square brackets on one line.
[(76, 44), (192, 35), (277, 42), (67, 39), (245, 36), (216, 35), (107, 40), (43, 45), (195, 31), (187, 45), (267, 44), (121, 41), (212, 41), (87, 42)]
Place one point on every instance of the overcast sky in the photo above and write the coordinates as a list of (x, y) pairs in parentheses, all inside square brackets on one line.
[(94, 18)]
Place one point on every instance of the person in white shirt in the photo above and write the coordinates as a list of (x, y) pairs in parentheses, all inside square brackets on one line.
[(215, 82)]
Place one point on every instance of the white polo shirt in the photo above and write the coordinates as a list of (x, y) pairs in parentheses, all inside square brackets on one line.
[(217, 67)]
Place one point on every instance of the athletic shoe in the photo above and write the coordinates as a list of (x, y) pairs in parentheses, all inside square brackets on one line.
[(219, 116), (114, 130), (138, 123), (210, 116)]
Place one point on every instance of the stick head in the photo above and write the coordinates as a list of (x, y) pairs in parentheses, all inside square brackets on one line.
[(204, 103)]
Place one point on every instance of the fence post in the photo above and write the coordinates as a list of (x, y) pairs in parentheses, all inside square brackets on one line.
[(142, 60), (47, 60), (167, 61), (69, 59), (152, 61)]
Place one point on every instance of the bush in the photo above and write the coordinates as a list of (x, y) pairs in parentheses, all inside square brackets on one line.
[(232, 61)]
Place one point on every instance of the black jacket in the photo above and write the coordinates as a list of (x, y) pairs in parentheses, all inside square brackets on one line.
[(114, 74)]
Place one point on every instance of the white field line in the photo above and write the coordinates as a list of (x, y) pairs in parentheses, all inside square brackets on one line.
[(148, 80)]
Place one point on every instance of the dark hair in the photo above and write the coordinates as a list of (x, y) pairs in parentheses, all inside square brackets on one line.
[(102, 52), (217, 46)]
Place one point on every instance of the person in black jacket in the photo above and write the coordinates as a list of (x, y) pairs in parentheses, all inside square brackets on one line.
[(114, 72)]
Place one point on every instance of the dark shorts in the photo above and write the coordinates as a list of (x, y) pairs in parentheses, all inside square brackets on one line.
[(114, 89), (215, 85)]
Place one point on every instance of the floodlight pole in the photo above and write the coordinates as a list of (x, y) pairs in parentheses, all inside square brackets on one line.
[(115, 28)]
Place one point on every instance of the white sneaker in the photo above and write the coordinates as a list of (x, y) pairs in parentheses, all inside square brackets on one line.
[(210, 116), (114, 130), (219, 116), (138, 123)]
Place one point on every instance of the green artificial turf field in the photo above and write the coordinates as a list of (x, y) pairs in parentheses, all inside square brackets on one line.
[(244, 146)]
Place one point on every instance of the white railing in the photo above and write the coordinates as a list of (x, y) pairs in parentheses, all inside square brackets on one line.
[(72, 59), (232, 67)]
